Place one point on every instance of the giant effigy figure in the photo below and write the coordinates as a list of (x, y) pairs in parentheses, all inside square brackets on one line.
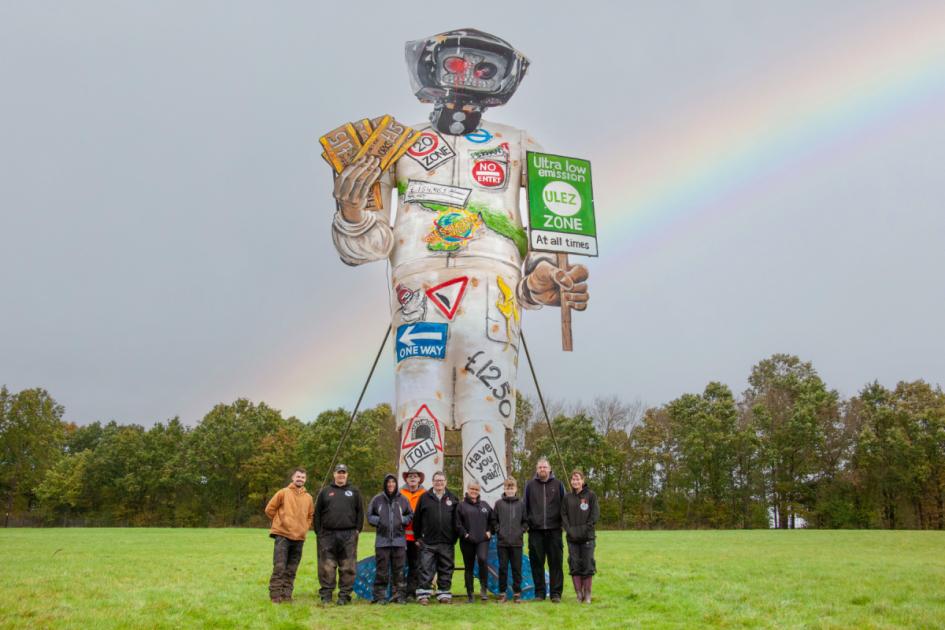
[(460, 267)]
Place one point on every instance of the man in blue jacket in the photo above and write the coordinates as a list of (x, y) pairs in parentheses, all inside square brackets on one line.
[(543, 497), (390, 512)]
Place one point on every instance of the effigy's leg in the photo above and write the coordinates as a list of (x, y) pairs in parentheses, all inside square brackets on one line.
[(485, 384), (423, 376)]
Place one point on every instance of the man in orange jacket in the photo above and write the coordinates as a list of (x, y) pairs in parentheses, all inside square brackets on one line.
[(413, 491), (291, 511)]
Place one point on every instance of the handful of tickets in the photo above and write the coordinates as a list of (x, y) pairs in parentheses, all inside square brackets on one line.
[(381, 137)]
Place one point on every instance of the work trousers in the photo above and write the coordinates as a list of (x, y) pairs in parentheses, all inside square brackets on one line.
[(507, 556), (413, 568), (436, 559), (389, 562), (478, 553), (286, 556), (337, 552), (581, 558), (546, 544)]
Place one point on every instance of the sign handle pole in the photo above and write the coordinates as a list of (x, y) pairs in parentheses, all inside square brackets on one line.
[(566, 342)]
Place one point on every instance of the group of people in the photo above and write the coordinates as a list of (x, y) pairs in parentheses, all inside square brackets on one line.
[(419, 527)]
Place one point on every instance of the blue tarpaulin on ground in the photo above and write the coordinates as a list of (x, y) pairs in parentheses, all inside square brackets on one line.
[(364, 581)]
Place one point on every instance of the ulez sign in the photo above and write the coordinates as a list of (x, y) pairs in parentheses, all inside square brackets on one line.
[(561, 205)]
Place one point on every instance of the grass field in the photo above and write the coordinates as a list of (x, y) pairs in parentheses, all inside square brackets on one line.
[(182, 578)]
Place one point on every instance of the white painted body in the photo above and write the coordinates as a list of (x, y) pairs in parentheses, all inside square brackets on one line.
[(472, 386)]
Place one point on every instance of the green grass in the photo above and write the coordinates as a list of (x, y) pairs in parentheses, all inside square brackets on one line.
[(183, 578)]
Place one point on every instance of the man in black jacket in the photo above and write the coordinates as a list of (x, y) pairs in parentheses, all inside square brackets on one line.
[(510, 529), (339, 518), (390, 513), (433, 525), (543, 497)]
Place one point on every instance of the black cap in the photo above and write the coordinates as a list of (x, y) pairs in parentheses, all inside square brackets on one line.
[(341, 468)]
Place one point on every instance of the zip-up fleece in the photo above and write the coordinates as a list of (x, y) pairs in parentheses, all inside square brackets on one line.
[(579, 513), (433, 522), (339, 507), (474, 519), (510, 521), (413, 497), (390, 513), (291, 512), (543, 502)]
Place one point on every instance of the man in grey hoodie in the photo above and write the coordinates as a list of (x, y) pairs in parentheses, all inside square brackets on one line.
[(390, 512)]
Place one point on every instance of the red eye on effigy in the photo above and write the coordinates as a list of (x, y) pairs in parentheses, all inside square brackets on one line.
[(455, 65), (485, 70)]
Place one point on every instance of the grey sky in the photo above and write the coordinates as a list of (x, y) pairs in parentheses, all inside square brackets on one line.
[(165, 216)]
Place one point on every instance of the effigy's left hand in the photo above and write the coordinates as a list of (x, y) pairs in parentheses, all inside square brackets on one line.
[(551, 285)]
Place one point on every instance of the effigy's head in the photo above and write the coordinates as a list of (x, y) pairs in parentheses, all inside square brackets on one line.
[(462, 73)]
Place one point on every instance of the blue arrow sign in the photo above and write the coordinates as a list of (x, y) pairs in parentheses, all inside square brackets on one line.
[(426, 340)]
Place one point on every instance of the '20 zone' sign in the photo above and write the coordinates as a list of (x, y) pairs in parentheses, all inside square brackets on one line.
[(561, 205)]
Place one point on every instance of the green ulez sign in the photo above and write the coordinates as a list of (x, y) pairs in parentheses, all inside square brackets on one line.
[(561, 205)]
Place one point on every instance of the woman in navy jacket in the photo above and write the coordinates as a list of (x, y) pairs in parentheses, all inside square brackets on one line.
[(579, 513)]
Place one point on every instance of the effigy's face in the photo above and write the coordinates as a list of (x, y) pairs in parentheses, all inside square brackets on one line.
[(474, 70)]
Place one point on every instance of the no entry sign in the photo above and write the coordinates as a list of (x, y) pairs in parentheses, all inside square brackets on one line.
[(561, 205)]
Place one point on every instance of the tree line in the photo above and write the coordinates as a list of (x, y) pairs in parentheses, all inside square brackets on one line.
[(787, 452)]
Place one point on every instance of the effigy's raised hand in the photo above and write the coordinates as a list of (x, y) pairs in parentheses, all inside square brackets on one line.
[(353, 185)]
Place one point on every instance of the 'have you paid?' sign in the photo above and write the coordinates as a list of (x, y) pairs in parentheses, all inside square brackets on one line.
[(561, 205)]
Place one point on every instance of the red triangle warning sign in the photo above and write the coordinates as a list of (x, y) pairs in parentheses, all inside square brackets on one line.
[(423, 426), (447, 295)]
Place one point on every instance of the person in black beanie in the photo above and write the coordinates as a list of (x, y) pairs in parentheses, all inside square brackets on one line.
[(579, 513), (475, 523)]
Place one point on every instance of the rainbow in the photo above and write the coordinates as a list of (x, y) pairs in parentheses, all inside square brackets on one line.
[(671, 180), (675, 174)]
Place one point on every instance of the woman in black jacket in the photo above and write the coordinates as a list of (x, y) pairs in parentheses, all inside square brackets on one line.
[(579, 513), (475, 524)]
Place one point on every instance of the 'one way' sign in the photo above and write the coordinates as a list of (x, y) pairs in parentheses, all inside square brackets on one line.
[(426, 340)]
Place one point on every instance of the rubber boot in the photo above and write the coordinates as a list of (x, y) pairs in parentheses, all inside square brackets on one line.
[(588, 580), (578, 587)]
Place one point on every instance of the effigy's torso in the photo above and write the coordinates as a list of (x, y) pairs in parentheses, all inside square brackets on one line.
[(458, 199)]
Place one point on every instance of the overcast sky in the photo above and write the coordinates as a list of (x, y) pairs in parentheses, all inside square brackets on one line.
[(768, 178)]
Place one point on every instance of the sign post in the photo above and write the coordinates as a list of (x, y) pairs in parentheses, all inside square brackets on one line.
[(561, 215)]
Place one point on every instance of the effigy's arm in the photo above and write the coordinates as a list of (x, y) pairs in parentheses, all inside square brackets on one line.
[(361, 235)]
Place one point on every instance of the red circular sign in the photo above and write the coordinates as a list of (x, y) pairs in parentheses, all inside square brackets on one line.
[(425, 144), (489, 173)]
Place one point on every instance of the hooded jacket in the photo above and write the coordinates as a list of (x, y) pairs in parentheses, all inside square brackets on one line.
[(434, 520), (290, 511), (510, 521), (339, 507), (579, 513), (473, 520), (543, 503), (413, 497), (390, 513)]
